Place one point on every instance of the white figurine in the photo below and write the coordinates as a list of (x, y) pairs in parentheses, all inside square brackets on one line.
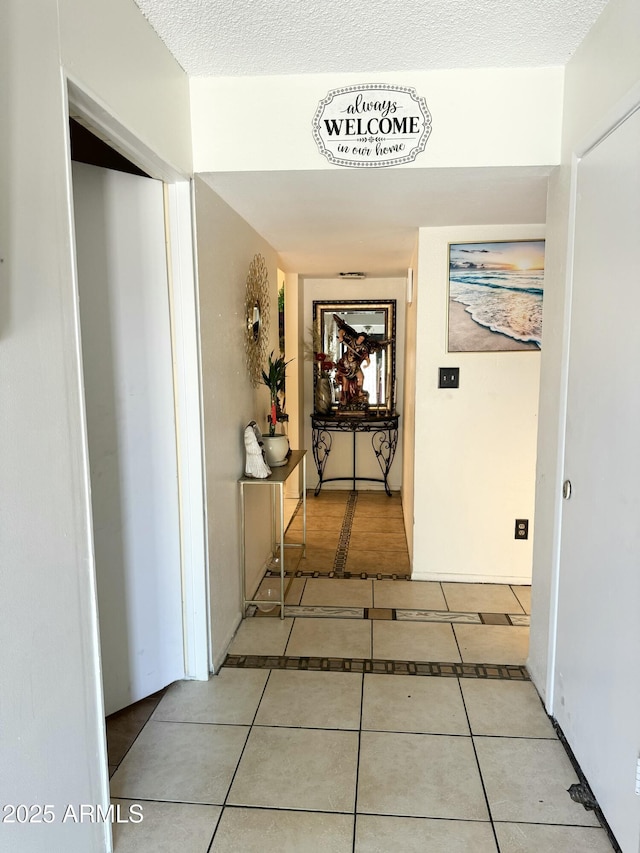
[(254, 462)]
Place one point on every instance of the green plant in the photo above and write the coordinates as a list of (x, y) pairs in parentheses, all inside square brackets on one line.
[(274, 378)]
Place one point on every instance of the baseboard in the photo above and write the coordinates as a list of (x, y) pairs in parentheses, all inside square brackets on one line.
[(218, 660), (459, 578)]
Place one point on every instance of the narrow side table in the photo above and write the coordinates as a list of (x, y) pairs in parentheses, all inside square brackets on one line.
[(276, 481)]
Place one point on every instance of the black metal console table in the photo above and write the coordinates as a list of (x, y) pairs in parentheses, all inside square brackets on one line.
[(384, 440)]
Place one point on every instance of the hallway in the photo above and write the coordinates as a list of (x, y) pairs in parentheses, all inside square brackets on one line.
[(379, 715)]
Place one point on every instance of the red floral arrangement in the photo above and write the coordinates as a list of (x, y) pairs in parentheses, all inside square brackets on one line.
[(325, 364)]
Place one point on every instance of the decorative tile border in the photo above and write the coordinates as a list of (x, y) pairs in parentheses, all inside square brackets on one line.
[(505, 672), (339, 572), (364, 576), (438, 616), (324, 612), (446, 616), (340, 560)]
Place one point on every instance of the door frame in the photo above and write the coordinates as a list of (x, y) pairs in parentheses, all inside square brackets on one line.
[(185, 333), (610, 121)]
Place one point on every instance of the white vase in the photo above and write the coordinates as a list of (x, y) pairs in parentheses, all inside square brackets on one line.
[(276, 448)]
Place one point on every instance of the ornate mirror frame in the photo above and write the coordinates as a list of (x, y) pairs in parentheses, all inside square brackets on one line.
[(354, 312), (256, 313)]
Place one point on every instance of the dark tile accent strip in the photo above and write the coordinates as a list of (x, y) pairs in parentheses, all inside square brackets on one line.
[(340, 561), (505, 672), (379, 613), (365, 576), (494, 619)]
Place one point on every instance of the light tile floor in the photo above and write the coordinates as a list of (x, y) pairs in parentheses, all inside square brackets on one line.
[(285, 759)]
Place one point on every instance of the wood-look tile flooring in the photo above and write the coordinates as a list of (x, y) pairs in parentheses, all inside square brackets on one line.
[(352, 533)]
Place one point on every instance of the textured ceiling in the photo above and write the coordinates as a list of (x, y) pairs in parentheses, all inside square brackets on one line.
[(251, 37), (325, 222), (328, 221)]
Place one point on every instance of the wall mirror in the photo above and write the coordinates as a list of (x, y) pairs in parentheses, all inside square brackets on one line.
[(256, 307), (254, 322), (354, 349)]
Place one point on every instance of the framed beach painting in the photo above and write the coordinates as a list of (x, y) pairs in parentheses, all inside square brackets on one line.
[(495, 296)]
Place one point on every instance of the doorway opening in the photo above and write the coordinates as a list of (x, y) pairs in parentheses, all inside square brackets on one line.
[(137, 317), (130, 417)]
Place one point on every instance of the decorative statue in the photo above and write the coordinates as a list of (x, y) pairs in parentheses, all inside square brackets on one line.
[(254, 463), (357, 348)]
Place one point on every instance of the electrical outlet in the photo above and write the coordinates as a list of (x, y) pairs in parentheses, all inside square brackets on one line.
[(449, 377), (522, 528)]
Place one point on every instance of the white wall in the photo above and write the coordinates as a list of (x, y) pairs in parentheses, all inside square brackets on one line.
[(53, 748), (481, 117), (340, 462), (226, 246), (475, 445), (109, 49)]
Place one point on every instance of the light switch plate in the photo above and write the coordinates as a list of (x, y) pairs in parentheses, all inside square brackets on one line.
[(449, 377)]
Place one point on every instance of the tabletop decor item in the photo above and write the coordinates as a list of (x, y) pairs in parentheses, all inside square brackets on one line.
[(276, 445), (323, 398), (357, 347), (254, 461), (321, 354)]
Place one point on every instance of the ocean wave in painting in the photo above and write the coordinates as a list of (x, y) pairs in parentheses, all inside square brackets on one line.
[(505, 301)]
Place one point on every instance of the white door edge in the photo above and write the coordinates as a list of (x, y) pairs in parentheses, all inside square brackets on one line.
[(185, 331)]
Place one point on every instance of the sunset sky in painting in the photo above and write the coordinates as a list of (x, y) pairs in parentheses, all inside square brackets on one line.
[(519, 255)]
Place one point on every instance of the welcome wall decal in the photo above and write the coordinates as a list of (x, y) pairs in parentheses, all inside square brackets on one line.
[(372, 125)]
